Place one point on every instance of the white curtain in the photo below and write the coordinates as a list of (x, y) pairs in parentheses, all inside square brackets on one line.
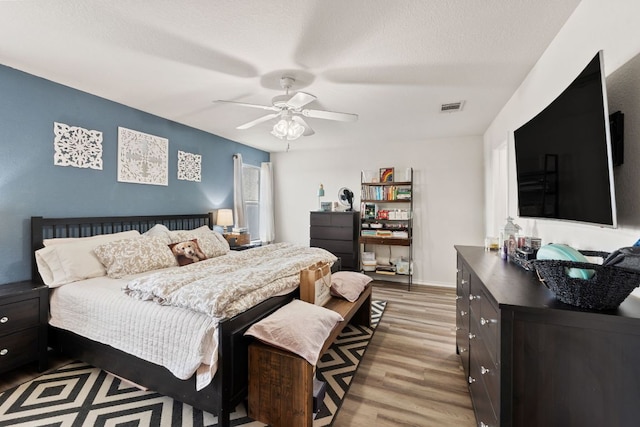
[(267, 221), (239, 215)]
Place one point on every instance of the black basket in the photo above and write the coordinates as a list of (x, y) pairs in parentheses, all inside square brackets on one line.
[(608, 287)]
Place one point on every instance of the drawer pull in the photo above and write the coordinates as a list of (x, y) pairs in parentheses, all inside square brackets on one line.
[(4, 319), (483, 424), (472, 297), (463, 313), (464, 282), (4, 352), (458, 297), (486, 322), (462, 350), (483, 370), (471, 380), (471, 336)]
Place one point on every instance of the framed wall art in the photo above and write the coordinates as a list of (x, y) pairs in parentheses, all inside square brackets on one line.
[(189, 166), (77, 147), (386, 175), (142, 158)]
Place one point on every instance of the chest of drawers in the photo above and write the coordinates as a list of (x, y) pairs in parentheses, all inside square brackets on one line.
[(337, 232), (531, 360), (24, 308)]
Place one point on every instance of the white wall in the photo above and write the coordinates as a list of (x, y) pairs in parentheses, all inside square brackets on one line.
[(611, 26), (448, 194)]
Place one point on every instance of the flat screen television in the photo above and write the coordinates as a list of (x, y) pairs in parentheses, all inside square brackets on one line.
[(564, 158)]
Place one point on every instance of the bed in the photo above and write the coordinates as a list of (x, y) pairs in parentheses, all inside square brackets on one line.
[(227, 388)]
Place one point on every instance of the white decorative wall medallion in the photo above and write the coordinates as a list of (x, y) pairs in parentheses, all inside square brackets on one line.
[(142, 158), (77, 147), (189, 166)]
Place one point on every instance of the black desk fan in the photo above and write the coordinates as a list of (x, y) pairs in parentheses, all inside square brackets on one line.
[(345, 198)]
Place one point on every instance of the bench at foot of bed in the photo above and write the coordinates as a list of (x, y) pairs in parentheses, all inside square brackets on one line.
[(281, 383)]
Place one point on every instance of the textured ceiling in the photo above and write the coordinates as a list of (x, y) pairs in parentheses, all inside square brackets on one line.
[(391, 62)]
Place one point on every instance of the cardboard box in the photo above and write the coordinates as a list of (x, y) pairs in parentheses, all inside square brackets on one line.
[(236, 239)]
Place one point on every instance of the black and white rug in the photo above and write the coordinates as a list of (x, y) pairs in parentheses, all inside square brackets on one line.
[(81, 395)]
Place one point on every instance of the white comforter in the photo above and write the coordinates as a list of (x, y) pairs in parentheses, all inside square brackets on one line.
[(225, 286), (183, 341)]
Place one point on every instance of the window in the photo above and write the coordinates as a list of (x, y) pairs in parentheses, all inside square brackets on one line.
[(251, 190)]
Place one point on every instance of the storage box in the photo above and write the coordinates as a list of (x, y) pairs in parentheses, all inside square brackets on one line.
[(402, 267), (368, 256), (238, 239), (369, 265)]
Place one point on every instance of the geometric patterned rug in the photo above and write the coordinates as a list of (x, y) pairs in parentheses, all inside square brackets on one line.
[(78, 394)]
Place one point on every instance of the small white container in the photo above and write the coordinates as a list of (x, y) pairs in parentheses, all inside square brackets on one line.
[(368, 256), (369, 265)]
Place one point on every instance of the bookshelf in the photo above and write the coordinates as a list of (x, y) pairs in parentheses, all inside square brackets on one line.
[(386, 219)]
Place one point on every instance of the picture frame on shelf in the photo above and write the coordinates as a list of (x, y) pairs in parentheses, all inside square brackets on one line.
[(386, 174)]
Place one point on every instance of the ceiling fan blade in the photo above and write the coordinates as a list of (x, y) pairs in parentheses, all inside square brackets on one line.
[(244, 104), (330, 115), (300, 99), (258, 120), (307, 129)]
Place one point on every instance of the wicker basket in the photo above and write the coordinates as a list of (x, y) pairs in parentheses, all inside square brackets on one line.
[(608, 287)]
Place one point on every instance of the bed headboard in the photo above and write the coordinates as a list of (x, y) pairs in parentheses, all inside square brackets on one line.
[(49, 228)]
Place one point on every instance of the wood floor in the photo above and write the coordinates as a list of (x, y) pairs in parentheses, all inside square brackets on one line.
[(410, 374)]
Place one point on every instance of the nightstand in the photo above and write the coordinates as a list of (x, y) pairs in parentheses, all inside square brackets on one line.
[(24, 311)]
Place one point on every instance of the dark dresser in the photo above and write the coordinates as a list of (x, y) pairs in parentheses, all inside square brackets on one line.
[(531, 360), (337, 232)]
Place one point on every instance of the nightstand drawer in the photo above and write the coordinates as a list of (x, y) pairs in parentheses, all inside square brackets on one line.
[(18, 348), (19, 315)]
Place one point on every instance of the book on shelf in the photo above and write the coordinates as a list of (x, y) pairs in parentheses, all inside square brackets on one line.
[(386, 269), (386, 192)]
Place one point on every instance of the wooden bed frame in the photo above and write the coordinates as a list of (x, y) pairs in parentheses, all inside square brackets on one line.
[(230, 384)]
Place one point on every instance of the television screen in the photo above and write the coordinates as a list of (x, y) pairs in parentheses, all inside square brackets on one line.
[(563, 155)]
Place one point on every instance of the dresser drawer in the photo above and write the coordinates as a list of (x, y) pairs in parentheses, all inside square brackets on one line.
[(18, 348), (19, 315), (340, 219), (334, 246), (332, 233), (347, 261), (483, 383), (487, 318)]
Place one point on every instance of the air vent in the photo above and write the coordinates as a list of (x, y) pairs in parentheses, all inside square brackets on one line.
[(451, 107)]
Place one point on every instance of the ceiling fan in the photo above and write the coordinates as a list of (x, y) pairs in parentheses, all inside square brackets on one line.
[(289, 110)]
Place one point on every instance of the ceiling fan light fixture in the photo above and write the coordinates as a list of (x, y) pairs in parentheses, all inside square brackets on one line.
[(295, 130), (287, 128)]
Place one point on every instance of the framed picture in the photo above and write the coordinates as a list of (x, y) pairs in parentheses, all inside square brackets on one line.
[(386, 175)]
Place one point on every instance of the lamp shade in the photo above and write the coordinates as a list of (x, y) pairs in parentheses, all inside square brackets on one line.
[(225, 217)]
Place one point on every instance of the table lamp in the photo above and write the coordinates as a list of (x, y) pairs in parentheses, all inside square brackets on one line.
[(225, 218)]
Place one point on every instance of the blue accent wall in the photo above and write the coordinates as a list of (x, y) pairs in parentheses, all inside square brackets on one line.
[(30, 184)]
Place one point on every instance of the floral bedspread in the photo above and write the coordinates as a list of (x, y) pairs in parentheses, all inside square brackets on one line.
[(224, 286)]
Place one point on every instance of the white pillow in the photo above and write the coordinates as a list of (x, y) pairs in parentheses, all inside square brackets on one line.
[(130, 256), (299, 327), (67, 260), (159, 230), (349, 284), (94, 241)]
